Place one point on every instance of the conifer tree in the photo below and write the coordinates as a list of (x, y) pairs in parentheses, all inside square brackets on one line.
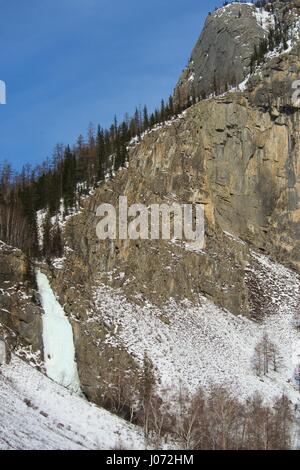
[(171, 106), (101, 161), (162, 111), (56, 241), (69, 179), (146, 122)]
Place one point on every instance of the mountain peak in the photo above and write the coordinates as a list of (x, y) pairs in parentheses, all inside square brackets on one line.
[(222, 55)]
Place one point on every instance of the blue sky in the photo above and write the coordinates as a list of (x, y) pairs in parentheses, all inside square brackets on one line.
[(70, 62)]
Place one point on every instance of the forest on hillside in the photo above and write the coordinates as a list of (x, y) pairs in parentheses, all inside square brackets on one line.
[(70, 174), (74, 170)]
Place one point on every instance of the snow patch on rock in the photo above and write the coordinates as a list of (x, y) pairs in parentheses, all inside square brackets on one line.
[(264, 18)]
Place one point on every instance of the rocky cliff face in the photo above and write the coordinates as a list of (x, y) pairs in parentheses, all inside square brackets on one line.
[(222, 55), (20, 312), (238, 155)]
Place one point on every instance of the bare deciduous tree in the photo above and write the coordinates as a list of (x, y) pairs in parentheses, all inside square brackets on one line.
[(266, 356), (219, 421)]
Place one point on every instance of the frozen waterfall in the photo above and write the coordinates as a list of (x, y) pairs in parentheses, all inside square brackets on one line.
[(59, 350)]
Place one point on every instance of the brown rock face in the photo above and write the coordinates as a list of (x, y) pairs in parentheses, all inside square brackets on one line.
[(231, 154), (237, 155), (20, 313), (14, 265)]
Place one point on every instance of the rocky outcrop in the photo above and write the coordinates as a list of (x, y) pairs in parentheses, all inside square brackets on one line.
[(14, 265), (20, 312), (238, 155), (222, 55)]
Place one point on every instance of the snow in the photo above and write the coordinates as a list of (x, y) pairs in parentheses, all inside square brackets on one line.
[(193, 346), (59, 351), (59, 217), (193, 247), (58, 263), (136, 140), (243, 85), (227, 9), (83, 192), (40, 218), (5, 247), (2, 352), (293, 38), (283, 298), (34, 358), (38, 414), (190, 346), (264, 18), (234, 237)]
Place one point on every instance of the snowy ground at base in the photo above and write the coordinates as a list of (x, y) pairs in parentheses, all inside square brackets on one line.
[(189, 345), (195, 346), (59, 350), (36, 413)]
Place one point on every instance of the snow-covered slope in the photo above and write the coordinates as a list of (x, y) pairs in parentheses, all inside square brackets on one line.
[(203, 345), (189, 345), (36, 413)]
